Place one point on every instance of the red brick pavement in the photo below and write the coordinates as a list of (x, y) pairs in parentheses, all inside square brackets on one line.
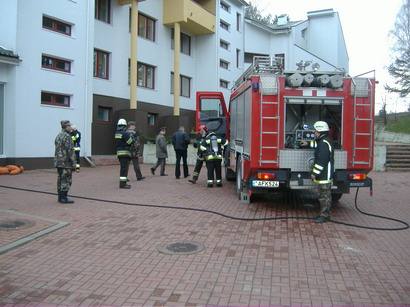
[(108, 254)]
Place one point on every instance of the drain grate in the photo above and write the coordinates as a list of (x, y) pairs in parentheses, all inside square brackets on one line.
[(15, 224), (182, 248)]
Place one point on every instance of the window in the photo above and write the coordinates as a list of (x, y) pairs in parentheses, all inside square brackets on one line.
[(224, 25), (185, 83), (56, 25), (238, 22), (146, 26), (223, 83), (223, 44), (280, 57), (55, 63), (54, 99), (249, 56), (225, 6), (185, 42), (152, 119), (103, 10), (101, 64), (223, 64), (104, 114), (238, 54), (145, 75)]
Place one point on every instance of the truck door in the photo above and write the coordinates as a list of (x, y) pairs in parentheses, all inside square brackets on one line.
[(211, 111)]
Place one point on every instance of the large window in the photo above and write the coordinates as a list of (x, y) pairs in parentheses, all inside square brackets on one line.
[(54, 63), (104, 114), (56, 25), (103, 10), (101, 64), (55, 99), (185, 42), (185, 84), (146, 27), (145, 75)]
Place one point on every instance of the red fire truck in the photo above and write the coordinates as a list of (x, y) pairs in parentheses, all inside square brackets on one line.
[(268, 122)]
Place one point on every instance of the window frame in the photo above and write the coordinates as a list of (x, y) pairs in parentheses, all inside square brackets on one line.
[(107, 65), (181, 42), (109, 109), (238, 21), (222, 81), (224, 25), (224, 64), (145, 75), (221, 42), (97, 13), (181, 77), (155, 119), (147, 19), (53, 66), (54, 97), (226, 7), (54, 25), (238, 55)]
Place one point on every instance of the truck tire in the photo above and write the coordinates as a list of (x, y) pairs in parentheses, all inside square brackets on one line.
[(336, 197), (239, 183)]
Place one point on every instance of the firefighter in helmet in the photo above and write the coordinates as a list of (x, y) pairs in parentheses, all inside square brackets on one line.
[(203, 131), (212, 148), (76, 137), (123, 140), (323, 169)]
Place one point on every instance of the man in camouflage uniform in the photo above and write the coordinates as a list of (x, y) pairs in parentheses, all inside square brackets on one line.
[(323, 169), (64, 161)]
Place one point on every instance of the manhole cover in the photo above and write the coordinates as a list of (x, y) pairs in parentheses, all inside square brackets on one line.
[(15, 224), (181, 248)]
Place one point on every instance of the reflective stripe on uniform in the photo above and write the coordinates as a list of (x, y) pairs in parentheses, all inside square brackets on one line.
[(320, 168), (123, 178), (219, 181), (210, 181), (219, 141), (322, 181), (316, 171), (129, 141), (202, 148), (118, 136), (123, 153), (77, 148), (211, 157), (313, 144)]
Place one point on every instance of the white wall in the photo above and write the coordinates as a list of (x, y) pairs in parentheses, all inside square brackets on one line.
[(35, 126), (8, 24)]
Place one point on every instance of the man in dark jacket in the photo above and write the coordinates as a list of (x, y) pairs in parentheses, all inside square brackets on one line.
[(323, 169), (135, 150), (180, 141), (203, 131), (123, 140), (161, 152), (212, 148), (64, 161)]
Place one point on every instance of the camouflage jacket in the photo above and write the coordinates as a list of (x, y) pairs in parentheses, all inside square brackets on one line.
[(64, 156)]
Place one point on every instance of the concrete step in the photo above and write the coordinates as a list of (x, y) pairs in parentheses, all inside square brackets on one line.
[(397, 169), (103, 160), (404, 161)]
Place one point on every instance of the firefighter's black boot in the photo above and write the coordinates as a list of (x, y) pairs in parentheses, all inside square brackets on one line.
[(193, 180), (60, 194), (124, 185), (210, 184)]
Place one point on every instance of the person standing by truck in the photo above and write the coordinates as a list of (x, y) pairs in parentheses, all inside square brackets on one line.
[(212, 148), (323, 169), (203, 130)]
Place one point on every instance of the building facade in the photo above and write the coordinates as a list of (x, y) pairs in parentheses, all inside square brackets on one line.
[(70, 59)]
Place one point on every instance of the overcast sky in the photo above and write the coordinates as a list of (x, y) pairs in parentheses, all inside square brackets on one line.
[(366, 25)]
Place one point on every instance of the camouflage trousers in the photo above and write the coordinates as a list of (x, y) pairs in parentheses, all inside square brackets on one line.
[(64, 179), (325, 199)]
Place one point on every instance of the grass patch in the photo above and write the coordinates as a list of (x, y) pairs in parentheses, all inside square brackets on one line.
[(401, 125)]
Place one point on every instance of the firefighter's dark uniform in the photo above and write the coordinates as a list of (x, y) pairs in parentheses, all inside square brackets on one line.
[(212, 148), (123, 140), (199, 159), (322, 174), (76, 137)]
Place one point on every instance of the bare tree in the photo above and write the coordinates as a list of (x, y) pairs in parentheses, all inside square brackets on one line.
[(252, 12), (400, 68)]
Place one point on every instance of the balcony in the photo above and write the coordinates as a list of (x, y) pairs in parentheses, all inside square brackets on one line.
[(196, 17)]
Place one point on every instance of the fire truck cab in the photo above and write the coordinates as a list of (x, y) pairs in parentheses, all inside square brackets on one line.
[(270, 120)]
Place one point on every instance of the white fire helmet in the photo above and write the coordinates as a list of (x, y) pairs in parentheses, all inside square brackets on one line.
[(122, 122), (321, 126)]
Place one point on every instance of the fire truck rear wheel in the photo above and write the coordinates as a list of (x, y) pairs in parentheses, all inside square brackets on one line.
[(239, 184)]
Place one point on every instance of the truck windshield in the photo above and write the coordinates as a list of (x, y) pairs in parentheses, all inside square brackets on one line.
[(210, 108)]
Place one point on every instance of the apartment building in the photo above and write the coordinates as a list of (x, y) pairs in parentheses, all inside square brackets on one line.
[(71, 59)]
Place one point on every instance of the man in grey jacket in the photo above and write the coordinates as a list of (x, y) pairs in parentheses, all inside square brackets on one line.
[(162, 154)]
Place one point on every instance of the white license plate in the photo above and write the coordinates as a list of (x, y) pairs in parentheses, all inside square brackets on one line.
[(265, 184)]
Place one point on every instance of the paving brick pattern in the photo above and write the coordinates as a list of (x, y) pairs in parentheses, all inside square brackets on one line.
[(108, 254)]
